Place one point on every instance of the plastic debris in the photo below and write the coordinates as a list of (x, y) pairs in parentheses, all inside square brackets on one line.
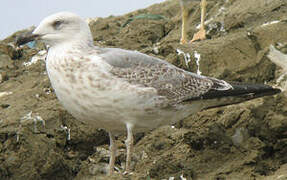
[(40, 56), (197, 60), (68, 131), (144, 16), (185, 55), (2, 94), (270, 23)]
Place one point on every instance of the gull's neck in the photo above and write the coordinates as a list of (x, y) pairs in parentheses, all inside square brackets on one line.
[(77, 45)]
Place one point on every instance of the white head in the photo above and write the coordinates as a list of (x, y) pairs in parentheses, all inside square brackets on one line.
[(63, 27)]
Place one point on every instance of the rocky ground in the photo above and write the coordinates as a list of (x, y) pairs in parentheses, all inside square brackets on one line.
[(40, 140)]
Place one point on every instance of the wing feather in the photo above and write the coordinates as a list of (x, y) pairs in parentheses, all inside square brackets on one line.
[(171, 82)]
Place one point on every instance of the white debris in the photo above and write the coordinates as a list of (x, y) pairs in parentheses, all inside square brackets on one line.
[(182, 178), (40, 56), (171, 178), (28, 117), (17, 136), (221, 10), (2, 94), (40, 119), (185, 55), (197, 60), (117, 169), (68, 131), (205, 23), (156, 49), (282, 177), (282, 80), (222, 28), (144, 155), (270, 23), (240, 135), (89, 20), (35, 118), (12, 45), (47, 90), (217, 26), (279, 59), (172, 127)]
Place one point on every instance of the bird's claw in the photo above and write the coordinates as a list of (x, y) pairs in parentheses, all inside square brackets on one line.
[(200, 35)]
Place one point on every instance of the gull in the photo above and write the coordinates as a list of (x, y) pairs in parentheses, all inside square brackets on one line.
[(201, 34), (125, 91)]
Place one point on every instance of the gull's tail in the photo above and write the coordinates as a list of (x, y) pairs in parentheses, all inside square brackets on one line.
[(236, 94)]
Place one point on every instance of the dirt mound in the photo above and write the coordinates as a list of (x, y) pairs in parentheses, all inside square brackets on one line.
[(40, 140)]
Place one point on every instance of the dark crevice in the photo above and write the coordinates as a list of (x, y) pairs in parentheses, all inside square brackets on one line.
[(254, 41)]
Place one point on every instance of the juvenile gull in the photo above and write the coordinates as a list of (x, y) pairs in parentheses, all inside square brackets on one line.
[(126, 91)]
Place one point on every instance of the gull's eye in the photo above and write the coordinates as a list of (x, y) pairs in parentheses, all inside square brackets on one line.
[(57, 24)]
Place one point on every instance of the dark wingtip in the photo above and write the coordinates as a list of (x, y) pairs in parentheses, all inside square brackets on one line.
[(267, 92), (258, 89), (277, 90), (245, 91), (239, 93)]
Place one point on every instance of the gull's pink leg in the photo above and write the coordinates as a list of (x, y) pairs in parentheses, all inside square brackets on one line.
[(129, 144), (113, 149), (201, 34)]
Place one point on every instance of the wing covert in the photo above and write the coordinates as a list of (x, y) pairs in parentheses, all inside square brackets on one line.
[(171, 82)]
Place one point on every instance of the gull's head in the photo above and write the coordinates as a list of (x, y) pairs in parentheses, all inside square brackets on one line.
[(63, 27)]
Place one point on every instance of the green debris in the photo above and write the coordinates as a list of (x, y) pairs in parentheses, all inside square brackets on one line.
[(144, 16)]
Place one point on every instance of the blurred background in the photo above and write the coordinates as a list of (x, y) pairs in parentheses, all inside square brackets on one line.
[(16, 15)]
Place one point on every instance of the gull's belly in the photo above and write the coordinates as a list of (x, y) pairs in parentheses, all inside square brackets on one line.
[(106, 102), (111, 104), (107, 109)]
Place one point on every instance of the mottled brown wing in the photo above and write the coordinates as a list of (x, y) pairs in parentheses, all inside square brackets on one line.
[(175, 84)]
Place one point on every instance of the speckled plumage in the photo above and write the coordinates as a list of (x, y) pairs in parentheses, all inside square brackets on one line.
[(121, 90), (169, 81)]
